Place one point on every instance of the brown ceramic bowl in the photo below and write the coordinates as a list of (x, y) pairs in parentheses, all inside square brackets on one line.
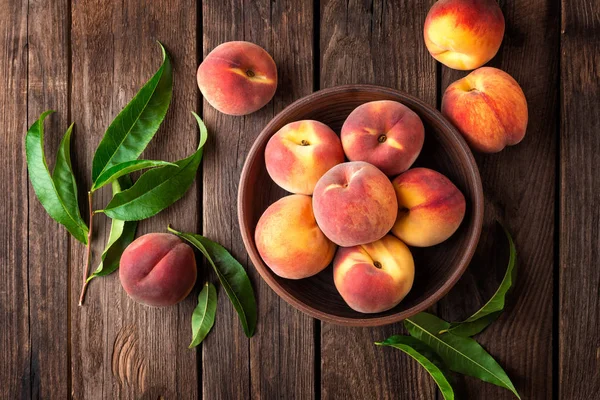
[(437, 268)]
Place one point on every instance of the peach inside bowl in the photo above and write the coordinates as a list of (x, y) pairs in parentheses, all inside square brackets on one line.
[(437, 268)]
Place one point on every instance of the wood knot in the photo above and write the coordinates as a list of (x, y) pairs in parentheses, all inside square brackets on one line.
[(128, 364)]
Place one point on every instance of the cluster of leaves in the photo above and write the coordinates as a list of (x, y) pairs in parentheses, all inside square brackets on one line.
[(156, 189), (440, 346), (233, 278)]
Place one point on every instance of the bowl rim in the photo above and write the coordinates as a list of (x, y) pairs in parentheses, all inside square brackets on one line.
[(473, 177)]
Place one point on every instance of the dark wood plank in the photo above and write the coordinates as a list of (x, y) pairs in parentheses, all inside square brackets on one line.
[(278, 361), (579, 293), (48, 88), (225, 352), (121, 349), (282, 354), (14, 298), (519, 188), (381, 43)]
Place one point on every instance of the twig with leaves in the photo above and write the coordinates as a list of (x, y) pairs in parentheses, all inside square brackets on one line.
[(162, 185), (440, 346)]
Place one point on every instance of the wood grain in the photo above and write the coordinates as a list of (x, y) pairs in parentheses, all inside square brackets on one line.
[(87, 59), (278, 361), (519, 187), (380, 43), (121, 349), (48, 88), (15, 362), (579, 293)]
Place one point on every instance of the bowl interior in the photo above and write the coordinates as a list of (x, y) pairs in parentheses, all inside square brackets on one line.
[(437, 268)]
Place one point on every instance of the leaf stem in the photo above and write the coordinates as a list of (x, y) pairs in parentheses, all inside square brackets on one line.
[(86, 267)]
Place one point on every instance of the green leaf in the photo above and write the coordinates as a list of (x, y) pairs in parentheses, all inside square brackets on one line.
[(158, 188), (493, 308), (131, 131), (426, 357), (203, 317), (125, 168), (121, 235), (58, 193), (461, 354), (63, 176), (232, 276)]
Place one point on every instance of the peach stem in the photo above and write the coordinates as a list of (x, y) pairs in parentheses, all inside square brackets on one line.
[(88, 251)]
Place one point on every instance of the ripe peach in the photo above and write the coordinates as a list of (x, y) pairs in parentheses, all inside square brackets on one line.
[(158, 269), (289, 240), (384, 133), (237, 78), (488, 107), (431, 207), (354, 203), (464, 34), (300, 153), (374, 277)]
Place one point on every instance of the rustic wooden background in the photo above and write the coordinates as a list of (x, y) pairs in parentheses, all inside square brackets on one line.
[(86, 59)]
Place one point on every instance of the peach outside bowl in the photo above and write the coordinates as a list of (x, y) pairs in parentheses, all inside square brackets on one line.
[(437, 268)]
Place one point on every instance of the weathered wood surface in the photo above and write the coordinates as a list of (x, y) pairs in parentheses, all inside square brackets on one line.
[(579, 227), (15, 364), (120, 349), (278, 362), (86, 59), (519, 189), (48, 82)]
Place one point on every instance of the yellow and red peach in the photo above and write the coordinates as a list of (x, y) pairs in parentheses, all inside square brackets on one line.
[(464, 34), (431, 207), (489, 108), (237, 78), (158, 269), (300, 153), (290, 242), (374, 277), (354, 203), (384, 133)]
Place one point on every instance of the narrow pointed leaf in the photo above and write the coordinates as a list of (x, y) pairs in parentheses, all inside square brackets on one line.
[(203, 317), (58, 195), (63, 176), (232, 276), (157, 188), (121, 235), (493, 308), (124, 168), (461, 354), (131, 131), (426, 357)]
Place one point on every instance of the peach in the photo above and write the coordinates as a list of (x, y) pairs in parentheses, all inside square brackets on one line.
[(237, 78), (354, 203), (300, 153), (488, 107), (158, 269), (431, 207), (464, 34), (374, 277), (290, 242), (384, 133)]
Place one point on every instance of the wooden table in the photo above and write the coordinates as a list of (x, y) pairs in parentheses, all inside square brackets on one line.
[(86, 59)]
